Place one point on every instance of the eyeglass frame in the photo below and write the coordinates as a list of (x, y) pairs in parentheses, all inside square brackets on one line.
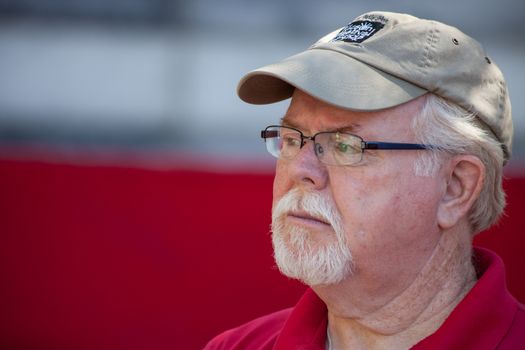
[(373, 145)]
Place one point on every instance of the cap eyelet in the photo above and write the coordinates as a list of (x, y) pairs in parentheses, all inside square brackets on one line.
[(455, 41), (488, 60)]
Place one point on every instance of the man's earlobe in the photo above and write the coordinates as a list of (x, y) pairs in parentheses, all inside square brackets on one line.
[(465, 177)]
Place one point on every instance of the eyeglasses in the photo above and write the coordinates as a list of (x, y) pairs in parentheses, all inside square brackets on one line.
[(331, 147)]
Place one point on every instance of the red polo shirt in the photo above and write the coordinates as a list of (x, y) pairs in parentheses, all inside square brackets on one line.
[(487, 318)]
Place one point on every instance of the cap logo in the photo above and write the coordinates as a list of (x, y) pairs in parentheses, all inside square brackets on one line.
[(358, 31)]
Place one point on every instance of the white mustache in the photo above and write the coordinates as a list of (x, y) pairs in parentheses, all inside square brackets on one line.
[(296, 254), (313, 203)]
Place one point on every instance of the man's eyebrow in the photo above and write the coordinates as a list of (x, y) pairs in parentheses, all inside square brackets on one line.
[(351, 127), (286, 122)]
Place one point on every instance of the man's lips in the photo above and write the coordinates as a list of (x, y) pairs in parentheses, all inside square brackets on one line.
[(306, 218)]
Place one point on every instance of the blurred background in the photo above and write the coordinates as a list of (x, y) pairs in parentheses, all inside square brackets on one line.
[(135, 192), (150, 76)]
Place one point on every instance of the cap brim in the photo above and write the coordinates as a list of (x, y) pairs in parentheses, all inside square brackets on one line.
[(330, 76)]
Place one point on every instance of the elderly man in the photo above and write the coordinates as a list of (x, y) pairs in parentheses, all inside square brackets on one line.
[(390, 160)]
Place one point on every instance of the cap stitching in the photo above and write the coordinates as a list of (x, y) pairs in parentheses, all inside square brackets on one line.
[(429, 50)]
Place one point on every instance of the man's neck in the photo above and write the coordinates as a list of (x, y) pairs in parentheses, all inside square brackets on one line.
[(415, 312)]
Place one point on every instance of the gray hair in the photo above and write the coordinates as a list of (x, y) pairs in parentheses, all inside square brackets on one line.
[(456, 131)]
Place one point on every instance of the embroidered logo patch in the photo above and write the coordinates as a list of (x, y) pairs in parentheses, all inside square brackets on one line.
[(358, 31)]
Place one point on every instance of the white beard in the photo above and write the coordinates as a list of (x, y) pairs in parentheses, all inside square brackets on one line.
[(297, 254)]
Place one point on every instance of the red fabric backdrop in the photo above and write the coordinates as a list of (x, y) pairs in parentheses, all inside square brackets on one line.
[(99, 257)]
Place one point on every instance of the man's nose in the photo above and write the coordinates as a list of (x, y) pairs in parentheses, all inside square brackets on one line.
[(305, 168)]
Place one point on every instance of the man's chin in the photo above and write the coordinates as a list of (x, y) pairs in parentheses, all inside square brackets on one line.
[(310, 242)]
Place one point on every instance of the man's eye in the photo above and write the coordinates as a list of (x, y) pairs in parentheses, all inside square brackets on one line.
[(290, 141), (343, 147)]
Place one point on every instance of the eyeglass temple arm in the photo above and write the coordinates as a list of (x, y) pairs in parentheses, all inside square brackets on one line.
[(392, 145), (269, 134)]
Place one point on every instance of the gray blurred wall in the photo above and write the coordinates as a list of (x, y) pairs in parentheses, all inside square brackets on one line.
[(161, 75)]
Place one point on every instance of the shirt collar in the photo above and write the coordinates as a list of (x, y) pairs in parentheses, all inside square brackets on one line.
[(479, 321), (484, 316)]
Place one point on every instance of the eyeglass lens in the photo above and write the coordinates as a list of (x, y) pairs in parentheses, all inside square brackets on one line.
[(332, 148)]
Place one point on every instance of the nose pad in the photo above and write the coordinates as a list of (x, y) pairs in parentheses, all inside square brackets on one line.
[(319, 151)]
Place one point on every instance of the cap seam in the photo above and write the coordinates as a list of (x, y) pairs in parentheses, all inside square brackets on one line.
[(430, 48)]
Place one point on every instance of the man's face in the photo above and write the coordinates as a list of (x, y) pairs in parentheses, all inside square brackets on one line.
[(385, 216)]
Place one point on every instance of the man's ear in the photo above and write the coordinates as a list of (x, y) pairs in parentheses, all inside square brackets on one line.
[(465, 175)]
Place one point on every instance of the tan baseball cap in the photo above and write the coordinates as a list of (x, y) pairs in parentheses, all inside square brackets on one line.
[(383, 59)]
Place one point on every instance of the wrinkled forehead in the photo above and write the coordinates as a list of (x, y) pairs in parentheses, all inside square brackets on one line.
[(312, 115)]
